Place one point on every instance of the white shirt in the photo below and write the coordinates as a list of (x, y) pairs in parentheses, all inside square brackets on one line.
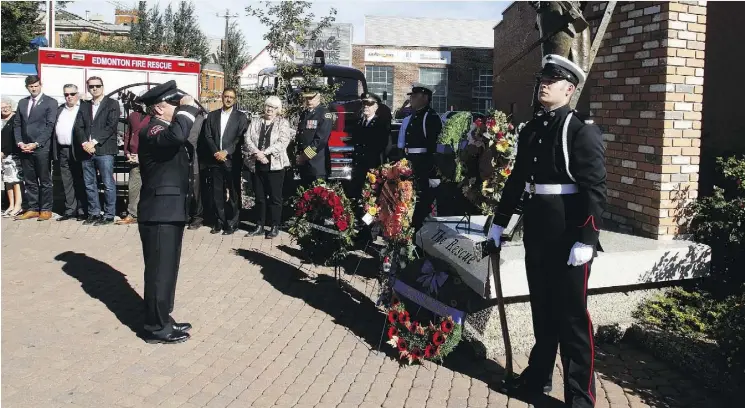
[(65, 123), (36, 99), (96, 105), (224, 116)]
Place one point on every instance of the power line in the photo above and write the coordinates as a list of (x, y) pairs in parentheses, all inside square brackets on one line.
[(227, 16)]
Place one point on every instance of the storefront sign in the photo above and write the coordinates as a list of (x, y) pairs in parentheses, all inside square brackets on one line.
[(408, 56)]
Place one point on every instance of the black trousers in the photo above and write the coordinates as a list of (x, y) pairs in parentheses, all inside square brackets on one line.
[(71, 173), (423, 207), (196, 206), (161, 249), (268, 184), (223, 180), (558, 300), (37, 175)]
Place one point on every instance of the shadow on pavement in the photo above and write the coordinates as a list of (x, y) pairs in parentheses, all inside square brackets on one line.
[(100, 281)]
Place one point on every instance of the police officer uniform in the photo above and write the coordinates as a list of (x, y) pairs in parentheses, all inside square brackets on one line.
[(560, 170), (417, 142), (314, 130), (165, 163), (370, 139)]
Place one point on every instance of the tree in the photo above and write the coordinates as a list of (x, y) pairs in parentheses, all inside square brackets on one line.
[(236, 56), (97, 42), (289, 23), (20, 21), (140, 33), (155, 19), (188, 40)]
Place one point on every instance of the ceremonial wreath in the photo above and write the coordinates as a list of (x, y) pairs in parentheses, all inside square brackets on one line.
[(389, 197), (488, 158), (323, 224), (416, 342)]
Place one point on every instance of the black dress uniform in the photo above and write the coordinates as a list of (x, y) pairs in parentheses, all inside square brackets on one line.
[(561, 172), (165, 163), (418, 144), (370, 139), (314, 130)]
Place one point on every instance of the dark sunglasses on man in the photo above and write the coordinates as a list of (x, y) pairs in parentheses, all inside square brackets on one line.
[(94, 86), (70, 94)]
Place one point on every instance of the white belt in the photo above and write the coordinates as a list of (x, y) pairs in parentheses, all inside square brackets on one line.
[(551, 188), (416, 150)]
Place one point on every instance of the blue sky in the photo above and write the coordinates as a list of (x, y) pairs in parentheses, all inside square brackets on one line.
[(350, 11)]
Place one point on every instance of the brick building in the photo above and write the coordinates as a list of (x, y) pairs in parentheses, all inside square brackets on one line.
[(213, 83), (455, 59), (646, 92)]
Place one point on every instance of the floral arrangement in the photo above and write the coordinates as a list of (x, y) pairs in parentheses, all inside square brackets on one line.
[(323, 224), (416, 342), (452, 134), (389, 198), (488, 157)]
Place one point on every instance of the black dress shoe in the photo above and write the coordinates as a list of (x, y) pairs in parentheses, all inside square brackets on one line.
[(216, 229), (104, 221), (521, 386), (65, 217), (172, 338), (81, 217), (272, 233), (229, 231), (91, 220), (184, 327), (259, 230)]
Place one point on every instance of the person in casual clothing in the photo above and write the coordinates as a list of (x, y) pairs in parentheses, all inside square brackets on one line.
[(33, 126), (137, 120), (12, 173), (98, 129), (265, 154), (68, 154)]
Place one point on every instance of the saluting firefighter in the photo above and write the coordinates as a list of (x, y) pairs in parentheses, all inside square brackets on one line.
[(313, 157), (164, 204), (560, 169), (417, 142)]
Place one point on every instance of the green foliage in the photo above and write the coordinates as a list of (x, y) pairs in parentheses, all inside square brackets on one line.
[(455, 130), (234, 57), (729, 332), (188, 40), (20, 21), (96, 42), (679, 311)]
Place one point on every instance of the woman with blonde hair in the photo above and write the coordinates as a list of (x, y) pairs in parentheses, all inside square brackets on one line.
[(265, 155), (12, 174)]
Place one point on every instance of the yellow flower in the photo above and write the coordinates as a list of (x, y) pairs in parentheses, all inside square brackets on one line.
[(404, 162), (373, 210), (502, 146), (371, 177)]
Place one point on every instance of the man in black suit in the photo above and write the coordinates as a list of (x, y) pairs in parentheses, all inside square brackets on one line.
[(33, 128), (98, 128), (223, 133), (165, 164), (67, 154)]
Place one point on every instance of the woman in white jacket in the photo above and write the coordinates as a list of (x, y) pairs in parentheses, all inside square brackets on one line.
[(265, 155)]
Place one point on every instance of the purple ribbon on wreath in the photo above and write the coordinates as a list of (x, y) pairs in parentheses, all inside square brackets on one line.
[(430, 278)]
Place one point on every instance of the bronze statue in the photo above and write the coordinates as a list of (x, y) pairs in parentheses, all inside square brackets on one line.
[(569, 35)]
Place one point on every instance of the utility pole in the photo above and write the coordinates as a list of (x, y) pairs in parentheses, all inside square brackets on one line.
[(227, 17), (50, 24)]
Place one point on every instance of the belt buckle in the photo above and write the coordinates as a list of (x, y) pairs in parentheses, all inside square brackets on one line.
[(532, 188)]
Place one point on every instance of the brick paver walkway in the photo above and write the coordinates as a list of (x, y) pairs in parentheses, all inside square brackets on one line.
[(265, 334)]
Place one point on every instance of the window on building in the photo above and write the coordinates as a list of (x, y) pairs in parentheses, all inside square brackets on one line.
[(437, 78), (380, 79), (482, 90)]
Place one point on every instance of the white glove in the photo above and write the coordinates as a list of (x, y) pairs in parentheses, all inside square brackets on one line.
[(495, 233), (580, 254), (434, 183)]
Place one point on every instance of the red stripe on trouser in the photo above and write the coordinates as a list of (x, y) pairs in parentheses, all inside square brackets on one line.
[(592, 343)]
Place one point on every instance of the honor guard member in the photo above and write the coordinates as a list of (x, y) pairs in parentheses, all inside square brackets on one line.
[(164, 204), (560, 169), (417, 142), (313, 157)]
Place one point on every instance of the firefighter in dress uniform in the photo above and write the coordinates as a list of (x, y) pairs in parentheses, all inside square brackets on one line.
[(560, 169), (165, 165), (313, 157), (417, 142)]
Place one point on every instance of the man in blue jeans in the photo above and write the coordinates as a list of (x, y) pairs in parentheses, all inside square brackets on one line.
[(98, 120)]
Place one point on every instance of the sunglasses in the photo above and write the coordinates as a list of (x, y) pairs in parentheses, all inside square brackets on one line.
[(70, 94), (94, 86), (368, 103)]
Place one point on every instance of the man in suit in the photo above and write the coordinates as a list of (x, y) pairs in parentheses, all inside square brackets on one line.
[(197, 184), (68, 153), (98, 129), (33, 128), (223, 133), (164, 204), (314, 129)]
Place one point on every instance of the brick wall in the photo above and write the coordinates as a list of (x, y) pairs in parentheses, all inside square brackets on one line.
[(464, 61), (645, 91)]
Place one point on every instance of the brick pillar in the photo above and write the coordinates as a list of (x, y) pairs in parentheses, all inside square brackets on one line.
[(646, 89)]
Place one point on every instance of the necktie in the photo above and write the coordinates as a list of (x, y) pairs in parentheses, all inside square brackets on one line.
[(33, 103)]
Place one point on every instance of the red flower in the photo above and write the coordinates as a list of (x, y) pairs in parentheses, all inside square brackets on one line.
[(317, 190), (298, 212), (510, 127), (478, 122), (306, 196), (392, 331), (394, 300), (429, 351), (416, 353), (403, 317), (507, 171), (324, 194), (392, 315), (414, 327), (438, 338), (342, 225), (490, 123), (446, 326), (500, 135), (402, 346)]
